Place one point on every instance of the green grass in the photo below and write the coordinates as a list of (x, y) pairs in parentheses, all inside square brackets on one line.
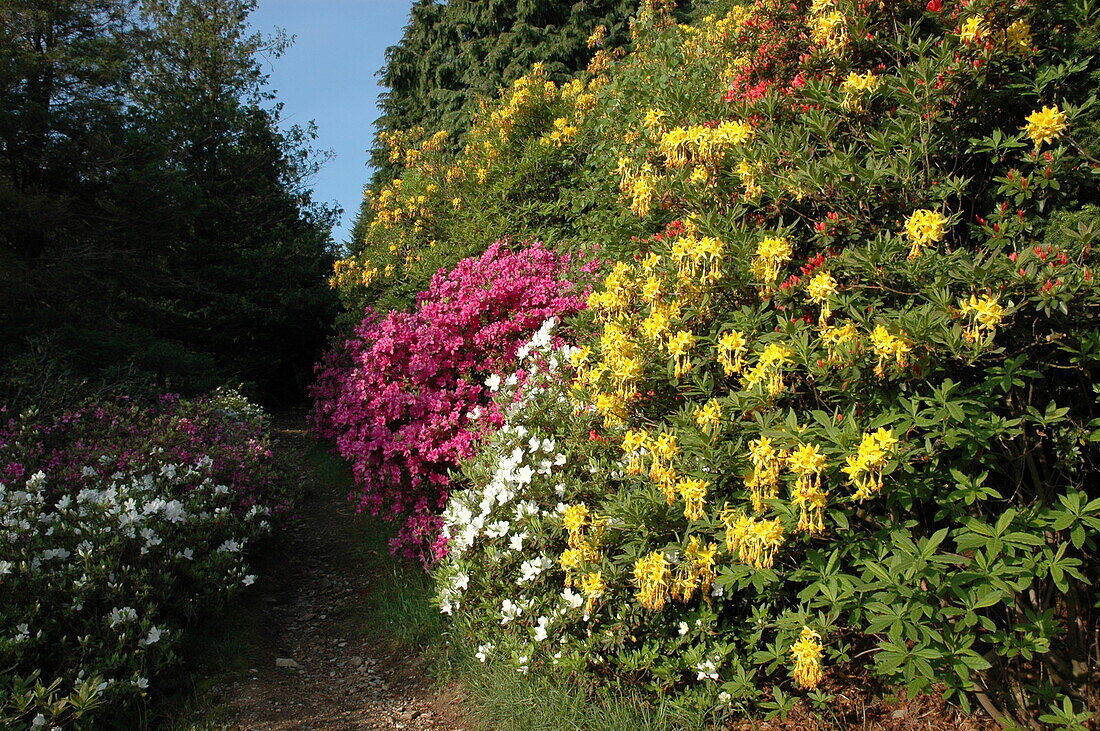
[(510, 701)]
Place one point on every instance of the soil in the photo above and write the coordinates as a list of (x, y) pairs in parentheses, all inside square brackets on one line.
[(313, 666)]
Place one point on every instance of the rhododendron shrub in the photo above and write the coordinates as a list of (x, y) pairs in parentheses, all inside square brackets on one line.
[(121, 525), (851, 393), (398, 397)]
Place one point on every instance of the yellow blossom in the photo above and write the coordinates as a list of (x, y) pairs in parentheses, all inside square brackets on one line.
[(679, 347), (1018, 37), (654, 119), (697, 572), (807, 463), (986, 312), (857, 83), (924, 228), (655, 325), (666, 446), (769, 368), (821, 287), (709, 416), (651, 576), (864, 468), (771, 254), (767, 461), (664, 478), (972, 30), (807, 653), (829, 30), (889, 347), (593, 587), (574, 520), (755, 542), (693, 493), (731, 348), (1045, 125), (634, 440), (855, 87)]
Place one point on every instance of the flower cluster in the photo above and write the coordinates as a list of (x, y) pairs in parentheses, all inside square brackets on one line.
[(403, 399)]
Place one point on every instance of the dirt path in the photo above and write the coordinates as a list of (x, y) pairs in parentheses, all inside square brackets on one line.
[(316, 664)]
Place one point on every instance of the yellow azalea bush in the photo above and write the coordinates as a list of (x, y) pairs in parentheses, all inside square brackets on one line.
[(441, 207), (837, 411)]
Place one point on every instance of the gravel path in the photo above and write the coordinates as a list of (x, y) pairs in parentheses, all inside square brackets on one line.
[(316, 666)]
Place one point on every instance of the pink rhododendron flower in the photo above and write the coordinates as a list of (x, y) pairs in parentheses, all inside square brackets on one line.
[(398, 398)]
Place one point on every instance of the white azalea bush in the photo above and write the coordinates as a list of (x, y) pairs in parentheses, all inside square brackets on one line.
[(103, 570)]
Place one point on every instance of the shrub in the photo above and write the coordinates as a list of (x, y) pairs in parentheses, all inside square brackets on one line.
[(398, 397), (853, 382), (120, 526)]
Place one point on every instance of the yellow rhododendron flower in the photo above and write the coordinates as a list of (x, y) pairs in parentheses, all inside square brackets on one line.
[(807, 463), (651, 576), (767, 462), (755, 542), (679, 347), (807, 653), (1046, 125), (771, 254), (1018, 37), (829, 30), (856, 83), (924, 228), (700, 572), (889, 347), (666, 479), (666, 447), (821, 287), (635, 440), (986, 312), (864, 468), (693, 493), (731, 348), (654, 119), (574, 520), (769, 369), (972, 30), (709, 416), (593, 587)]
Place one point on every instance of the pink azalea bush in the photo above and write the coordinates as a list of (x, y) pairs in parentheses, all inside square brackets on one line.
[(404, 398)]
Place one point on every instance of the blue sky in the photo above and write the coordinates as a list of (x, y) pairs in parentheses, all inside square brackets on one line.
[(328, 76)]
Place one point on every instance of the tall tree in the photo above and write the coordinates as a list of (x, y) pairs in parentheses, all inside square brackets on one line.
[(250, 279), (153, 215), (62, 82)]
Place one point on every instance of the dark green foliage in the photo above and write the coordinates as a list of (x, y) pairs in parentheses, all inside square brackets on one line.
[(153, 219)]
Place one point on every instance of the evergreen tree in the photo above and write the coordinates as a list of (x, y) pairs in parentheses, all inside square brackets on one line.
[(153, 216)]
